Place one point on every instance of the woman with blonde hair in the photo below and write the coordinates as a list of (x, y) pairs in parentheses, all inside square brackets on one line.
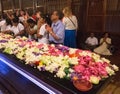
[(71, 25)]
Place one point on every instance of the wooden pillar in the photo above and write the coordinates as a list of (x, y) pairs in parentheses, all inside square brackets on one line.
[(69, 3), (34, 5), (1, 7), (20, 4), (13, 4)]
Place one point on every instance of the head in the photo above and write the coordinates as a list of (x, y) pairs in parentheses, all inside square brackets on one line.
[(38, 13), (106, 34), (43, 19), (91, 35), (67, 11), (31, 22), (8, 21), (15, 21), (56, 15), (4, 16), (22, 12)]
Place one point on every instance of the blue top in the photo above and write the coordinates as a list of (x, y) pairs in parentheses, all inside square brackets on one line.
[(59, 30)]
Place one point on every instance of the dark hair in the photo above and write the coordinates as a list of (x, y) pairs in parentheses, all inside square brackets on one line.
[(8, 21), (30, 20), (59, 13), (47, 19), (15, 20), (37, 11), (4, 16)]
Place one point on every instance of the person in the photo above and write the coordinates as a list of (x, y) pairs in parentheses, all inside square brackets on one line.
[(71, 25), (17, 28), (31, 29), (91, 42), (22, 16), (56, 31), (3, 22), (8, 26), (38, 17), (43, 34), (104, 44)]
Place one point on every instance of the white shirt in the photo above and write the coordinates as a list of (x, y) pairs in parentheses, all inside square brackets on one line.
[(69, 24), (8, 27), (44, 33), (92, 41), (17, 29), (21, 19), (2, 25)]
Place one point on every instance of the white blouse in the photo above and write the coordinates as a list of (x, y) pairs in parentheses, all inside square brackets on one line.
[(17, 29), (44, 33), (70, 23), (2, 25)]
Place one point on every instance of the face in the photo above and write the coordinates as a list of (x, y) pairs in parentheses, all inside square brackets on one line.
[(92, 35), (31, 25), (21, 12), (38, 15), (14, 24), (42, 20), (106, 34), (54, 16)]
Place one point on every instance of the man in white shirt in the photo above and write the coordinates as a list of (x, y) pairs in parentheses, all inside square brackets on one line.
[(91, 42)]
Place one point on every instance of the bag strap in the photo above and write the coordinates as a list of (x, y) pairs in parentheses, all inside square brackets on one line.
[(72, 22)]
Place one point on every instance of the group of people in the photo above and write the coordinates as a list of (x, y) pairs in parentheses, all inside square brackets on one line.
[(102, 47), (58, 28)]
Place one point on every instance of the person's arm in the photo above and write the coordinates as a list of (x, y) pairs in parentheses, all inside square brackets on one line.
[(50, 31), (108, 41), (20, 33), (6, 32), (41, 32), (31, 31), (96, 42)]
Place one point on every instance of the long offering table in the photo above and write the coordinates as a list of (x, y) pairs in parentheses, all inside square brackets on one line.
[(24, 79)]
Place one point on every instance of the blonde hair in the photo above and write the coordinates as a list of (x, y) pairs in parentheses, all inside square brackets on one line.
[(67, 11)]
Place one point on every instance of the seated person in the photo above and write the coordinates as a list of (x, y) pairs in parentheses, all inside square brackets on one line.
[(104, 44), (31, 29), (17, 29), (43, 34), (91, 42)]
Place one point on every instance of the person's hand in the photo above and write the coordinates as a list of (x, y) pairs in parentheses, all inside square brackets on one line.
[(104, 40), (48, 28)]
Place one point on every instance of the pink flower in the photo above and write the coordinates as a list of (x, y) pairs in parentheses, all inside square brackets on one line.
[(79, 68)]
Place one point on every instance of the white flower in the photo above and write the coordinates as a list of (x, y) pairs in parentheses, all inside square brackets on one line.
[(73, 61), (60, 73), (110, 71), (94, 80), (72, 51), (115, 67), (105, 60)]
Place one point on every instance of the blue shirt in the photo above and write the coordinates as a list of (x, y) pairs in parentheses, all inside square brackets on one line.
[(59, 30)]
